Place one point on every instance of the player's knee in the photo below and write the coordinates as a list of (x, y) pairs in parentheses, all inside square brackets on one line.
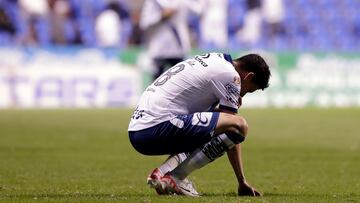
[(232, 124), (241, 126), (238, 125), (239, 130), (235, 127)]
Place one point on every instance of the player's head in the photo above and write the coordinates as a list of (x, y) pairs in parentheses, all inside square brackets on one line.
[(253, 71)]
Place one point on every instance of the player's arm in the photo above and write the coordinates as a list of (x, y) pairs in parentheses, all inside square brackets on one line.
[(226, 87), (235, 159)]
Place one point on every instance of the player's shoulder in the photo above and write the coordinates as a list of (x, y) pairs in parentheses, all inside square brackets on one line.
[(214, 59), (222, 56), (217, 56), (220, 63), (219, 59)]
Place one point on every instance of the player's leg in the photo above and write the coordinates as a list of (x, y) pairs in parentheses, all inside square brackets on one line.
[(186, 133), (153, 179), (172, 162), (183, 133), (233, 125), (230, 130)]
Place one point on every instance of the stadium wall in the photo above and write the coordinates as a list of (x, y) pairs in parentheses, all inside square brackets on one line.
[(75, 77), (66, 78)]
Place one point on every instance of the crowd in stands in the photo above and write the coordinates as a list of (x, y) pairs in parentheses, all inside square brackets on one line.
[(321, 25)]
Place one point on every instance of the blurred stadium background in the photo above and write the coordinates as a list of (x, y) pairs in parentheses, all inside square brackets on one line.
[(55, 54)]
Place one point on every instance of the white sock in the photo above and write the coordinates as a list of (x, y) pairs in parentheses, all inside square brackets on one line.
[(171, 162), (203, 156)]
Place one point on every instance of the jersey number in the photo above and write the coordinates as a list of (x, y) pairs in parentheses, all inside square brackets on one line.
[(167, 75)]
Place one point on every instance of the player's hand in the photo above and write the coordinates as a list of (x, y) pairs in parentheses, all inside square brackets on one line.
[(247, 190)]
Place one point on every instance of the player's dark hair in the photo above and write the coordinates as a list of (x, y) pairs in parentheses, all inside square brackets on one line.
[(256, 64)]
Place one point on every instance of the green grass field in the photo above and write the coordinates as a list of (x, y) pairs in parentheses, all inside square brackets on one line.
[(302, 155)]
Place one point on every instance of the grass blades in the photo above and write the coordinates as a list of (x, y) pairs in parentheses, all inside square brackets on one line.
[(291, 155)]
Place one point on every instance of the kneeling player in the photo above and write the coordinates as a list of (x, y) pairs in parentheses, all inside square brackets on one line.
[(189, 112)]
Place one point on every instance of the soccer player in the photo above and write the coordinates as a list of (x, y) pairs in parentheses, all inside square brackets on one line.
[(189, 113)]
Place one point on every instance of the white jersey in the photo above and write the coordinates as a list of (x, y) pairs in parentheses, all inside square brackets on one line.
[(198, 84)]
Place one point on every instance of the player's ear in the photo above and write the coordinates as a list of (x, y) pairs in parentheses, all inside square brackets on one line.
[(249, 76)]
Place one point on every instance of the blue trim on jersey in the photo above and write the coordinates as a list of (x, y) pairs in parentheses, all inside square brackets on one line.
[(234, 110), (228, 58)]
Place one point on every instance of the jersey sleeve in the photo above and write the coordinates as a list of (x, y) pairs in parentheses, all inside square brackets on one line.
[(226, 87)]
